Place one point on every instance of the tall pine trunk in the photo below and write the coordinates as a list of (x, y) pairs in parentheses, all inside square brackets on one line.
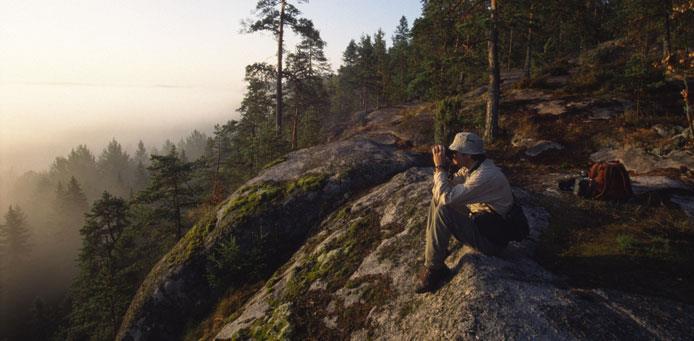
[(295, 126), (492, 119), (685, 96), (666, 26), (177, 207), (510, 50), (528, 47), (363, 99), (280, 49)]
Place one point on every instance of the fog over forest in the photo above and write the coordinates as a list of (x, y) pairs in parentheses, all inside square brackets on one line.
[(72, 172)]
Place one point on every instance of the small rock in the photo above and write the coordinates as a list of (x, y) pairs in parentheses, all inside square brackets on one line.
[(678, 141), (686, 203), (602, 114), (555, 108), (541, 146), (662, 130), (330, 322), (645, 184)]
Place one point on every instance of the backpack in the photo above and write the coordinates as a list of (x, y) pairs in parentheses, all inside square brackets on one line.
[(517, 223), (609, 181), (500, 230)]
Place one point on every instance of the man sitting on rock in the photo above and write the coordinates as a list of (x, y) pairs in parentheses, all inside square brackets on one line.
[(471, 207)]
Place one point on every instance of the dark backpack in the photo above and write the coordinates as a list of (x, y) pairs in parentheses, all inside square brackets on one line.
[(517, 223), (501, 230)]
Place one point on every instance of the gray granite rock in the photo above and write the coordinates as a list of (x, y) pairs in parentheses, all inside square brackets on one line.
[(542, 146)]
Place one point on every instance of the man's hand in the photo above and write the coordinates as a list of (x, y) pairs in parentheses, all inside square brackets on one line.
[(438, 155)]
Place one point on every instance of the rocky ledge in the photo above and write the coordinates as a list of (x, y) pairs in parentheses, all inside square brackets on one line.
[(334, 234), (355, 280)]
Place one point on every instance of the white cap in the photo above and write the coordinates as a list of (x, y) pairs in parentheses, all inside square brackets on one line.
[(467, 143)]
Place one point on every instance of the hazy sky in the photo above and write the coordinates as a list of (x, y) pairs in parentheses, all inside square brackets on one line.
[(87, 71)]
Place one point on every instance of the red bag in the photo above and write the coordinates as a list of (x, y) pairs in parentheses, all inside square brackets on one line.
[(610, 181)]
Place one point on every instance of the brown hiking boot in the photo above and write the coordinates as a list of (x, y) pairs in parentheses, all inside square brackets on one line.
[(429, 280)]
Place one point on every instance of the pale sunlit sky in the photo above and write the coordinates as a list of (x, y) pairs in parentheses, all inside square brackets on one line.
[(75, 72)]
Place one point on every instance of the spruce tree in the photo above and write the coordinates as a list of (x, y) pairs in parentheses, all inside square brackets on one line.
[(16, 236), (101, 292), (115, 166)]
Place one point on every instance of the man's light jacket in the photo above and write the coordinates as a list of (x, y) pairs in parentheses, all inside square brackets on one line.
[(484, 189)]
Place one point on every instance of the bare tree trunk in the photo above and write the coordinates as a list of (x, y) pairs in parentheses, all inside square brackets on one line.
[(528, 47), (667, 36), (295, 125), (510, 50), (177, 207), (492, 119), (280, 49), (363, 99), (685, 95)]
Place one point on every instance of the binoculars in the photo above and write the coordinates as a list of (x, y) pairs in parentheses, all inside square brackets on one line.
[(449, 153)]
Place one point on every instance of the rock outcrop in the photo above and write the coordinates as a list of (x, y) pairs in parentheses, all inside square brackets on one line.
[(271, 215), (355, 280)]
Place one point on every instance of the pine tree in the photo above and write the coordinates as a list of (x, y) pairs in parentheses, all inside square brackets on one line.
[(256, 139), (141, 160), (141, 153), (16, 236), (193, 145), (101, 294), (347, 81), (398, 67), (305, 70), (115, 166), (273, 16), (170, 190), (381, 74), (81, 164), (494, 92), (365, 70)]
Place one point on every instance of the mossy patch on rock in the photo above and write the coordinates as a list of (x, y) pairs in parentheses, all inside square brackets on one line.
[(193, 240), (332, 264), (275, 327), (307, 183), (274, 162), (252, 198)]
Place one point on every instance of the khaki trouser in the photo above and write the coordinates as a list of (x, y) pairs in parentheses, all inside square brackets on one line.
[(444, 221)]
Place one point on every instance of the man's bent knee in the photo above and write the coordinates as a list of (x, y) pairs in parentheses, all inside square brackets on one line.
[(445, 211)]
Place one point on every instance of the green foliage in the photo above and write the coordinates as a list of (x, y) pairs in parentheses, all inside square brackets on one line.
[(625, 242), (447, 119), (453, 115), (193, 240), (102, 290), (170, 190), (224, 259)]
